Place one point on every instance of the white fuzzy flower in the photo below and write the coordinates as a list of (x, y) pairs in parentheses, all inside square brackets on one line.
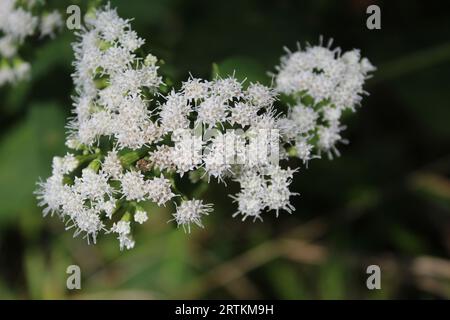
[(74, 203), (130, 40), (50, 23), (140, 216), (190, 212), (250, 198), (277, 193), (99, 124), (331, 115), (162, 157), (88, 221), (64, 165), (108, 207), (92, 185), (8, 47), (304, 150), (260, 95), (121, 227), (112, 166), (51, 194), (149, 77), (324, 74), (224, 151), (125, 242), (159, 190), (304, 117), (187, 152), (109, 24), (243, 114), (134, 186), (211, 111), (227, 89), (328, 137), (195, 89), (174, 113), (20, 24), (116, 59)]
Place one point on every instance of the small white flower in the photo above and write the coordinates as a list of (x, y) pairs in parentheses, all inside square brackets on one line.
[(328, 137), (50, 23), (304, 117), (130, 40), (304, 150), (227, 89), (92, 185), (109, 24), (260, 95), (51, 194), (187, 152), (174, 113), (195, 89), (243, 114), (211, 111), (162, 157), (134, 186), (140, 216), (190, 212), (108, 207), (8, 47), (88, 221), (323, 74), (159, 190), (64, 165), (112, 166), (121, 227), (20, 24), (125, 242)]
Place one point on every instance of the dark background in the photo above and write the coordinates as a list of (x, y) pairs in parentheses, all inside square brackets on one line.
[(385, 201)]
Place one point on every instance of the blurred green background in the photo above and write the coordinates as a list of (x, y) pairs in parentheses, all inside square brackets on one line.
[(385, 201)]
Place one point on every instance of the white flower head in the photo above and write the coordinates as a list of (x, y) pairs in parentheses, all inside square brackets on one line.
[(134, 187), (50, 23), (140, 216), (93, 185), (195, 89), (112, 166), (190, 212), (260, 95), (212, 110)]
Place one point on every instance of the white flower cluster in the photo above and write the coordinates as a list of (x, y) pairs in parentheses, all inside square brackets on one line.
[(110, 80), (16, 24), (324, 83), (131, 143)]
